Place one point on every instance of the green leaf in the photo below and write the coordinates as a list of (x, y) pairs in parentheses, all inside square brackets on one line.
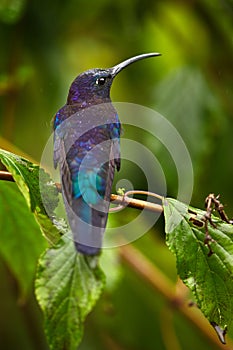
[(20, 240), (68, 285), (38, 190), (209, 277)]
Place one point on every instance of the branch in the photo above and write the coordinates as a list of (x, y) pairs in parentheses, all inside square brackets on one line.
[(135, 203), (123, 201), (5, 175)]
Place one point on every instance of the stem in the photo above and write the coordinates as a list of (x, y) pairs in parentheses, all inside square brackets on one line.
[(136, 203), (5, 175)]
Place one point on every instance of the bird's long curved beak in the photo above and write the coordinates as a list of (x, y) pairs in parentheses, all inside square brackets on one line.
[(116, 69)]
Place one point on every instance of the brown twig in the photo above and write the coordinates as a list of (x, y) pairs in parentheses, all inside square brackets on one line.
[(5, 175), (207, 219), (136, 203), (218, 206), (212, 203)]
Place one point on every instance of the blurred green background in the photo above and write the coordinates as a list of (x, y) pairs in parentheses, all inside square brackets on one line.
[(44, 45)]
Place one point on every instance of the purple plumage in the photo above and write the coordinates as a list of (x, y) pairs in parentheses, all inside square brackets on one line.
[(86, 147)]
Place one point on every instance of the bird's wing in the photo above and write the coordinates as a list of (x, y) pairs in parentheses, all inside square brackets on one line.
[(86, 188), (115, 135), (59, 158), (86, 178), (116, 153), (56, 149)]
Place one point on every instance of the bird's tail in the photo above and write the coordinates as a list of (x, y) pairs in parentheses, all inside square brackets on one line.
[(87, 225)]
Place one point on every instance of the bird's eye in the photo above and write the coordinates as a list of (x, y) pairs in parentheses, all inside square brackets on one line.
[(100, 81)]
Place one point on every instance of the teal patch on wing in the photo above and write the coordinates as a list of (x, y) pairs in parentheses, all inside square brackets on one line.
[(76, 189), (101, 185), (90, 185)]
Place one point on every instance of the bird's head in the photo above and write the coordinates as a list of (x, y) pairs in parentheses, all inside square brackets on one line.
[(93, 86)]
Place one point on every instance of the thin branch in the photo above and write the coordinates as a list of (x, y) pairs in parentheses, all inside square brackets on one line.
[(121, 200), (5, 175), (212, 202), (136, 203)]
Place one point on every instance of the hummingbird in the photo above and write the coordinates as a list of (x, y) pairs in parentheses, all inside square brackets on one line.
[(87, 134)]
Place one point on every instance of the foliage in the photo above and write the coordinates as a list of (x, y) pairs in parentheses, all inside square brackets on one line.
[(26, 176), (44, 45), (67, 287), (20, 242), (209, 276), (67, 284)]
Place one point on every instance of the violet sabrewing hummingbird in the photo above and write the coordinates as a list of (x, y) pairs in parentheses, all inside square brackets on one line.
[(87, 148)]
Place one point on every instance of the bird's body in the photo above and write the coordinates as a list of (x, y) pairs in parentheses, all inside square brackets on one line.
[(87, 148), (87, 171)]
